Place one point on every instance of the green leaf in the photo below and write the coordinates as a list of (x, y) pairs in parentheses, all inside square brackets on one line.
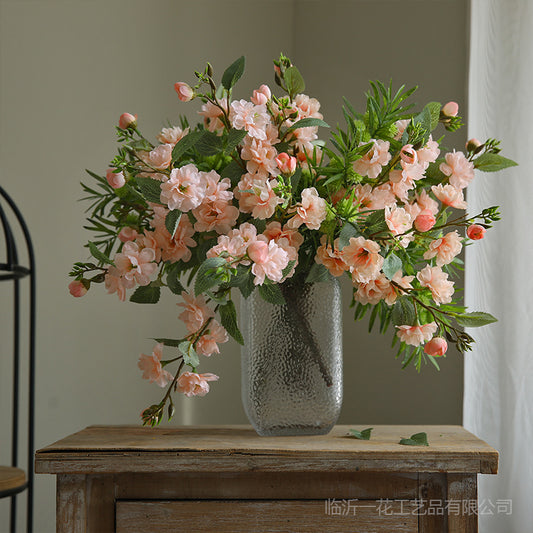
[(403, 312), (295, 179), (294, 81), (235, 137), (433, 109), (97, 254), (475, 319), (209, 144), (271, 293), (287, 270), (418, 439), (228, 319), (489, 162), (185, 144), (190, 357), (234, 172), (174, 343), (244, 280), (150, 189), (172, 220), (317, 273), (391, 265), (361, 435), (141, 144), (207, 275), (148, 294), (375, 222), (348, 231), (308, 123), (233, 73), (174, 284)]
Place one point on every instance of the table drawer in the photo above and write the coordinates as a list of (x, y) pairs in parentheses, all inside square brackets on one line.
[(249, 516)]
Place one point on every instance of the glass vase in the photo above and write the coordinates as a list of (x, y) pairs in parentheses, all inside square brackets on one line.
[(292, 359)]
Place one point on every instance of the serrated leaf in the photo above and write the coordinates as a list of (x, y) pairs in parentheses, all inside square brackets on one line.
[(348, 231), (288, 269), (235, 137), (150, 189), (97, 254), (244, 280), (234, 172), (317, 273), (228, 319), (308, 123), (391, 265), (174, 284), (475, 319), (294, 81), (190, 357), (403, 312), (148, 294), (233, 73), (493, 162), (172, 220), (361, 435), (206, 277), (295, 179), (185, 144), (418, 439), (174, 343), (271, 293)]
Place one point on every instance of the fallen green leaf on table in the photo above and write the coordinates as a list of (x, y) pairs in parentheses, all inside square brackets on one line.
[(361, 435), (418, 439)]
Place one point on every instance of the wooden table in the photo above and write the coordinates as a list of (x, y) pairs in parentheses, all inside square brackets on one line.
[(228, 479)]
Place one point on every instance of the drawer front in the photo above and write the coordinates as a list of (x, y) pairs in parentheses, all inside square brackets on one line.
[(247, 516)]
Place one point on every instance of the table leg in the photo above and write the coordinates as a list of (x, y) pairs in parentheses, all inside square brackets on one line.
[(462, 503), (71, 504)]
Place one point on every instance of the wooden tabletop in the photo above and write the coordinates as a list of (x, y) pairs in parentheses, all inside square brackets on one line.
[(117, 449)]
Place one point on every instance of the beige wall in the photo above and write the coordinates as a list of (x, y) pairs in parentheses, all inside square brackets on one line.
[(67, 71)]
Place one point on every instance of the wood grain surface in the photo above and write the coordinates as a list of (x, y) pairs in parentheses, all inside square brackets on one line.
[(11, 478)]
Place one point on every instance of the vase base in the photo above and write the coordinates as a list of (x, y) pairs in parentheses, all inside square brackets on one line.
[(293, 431)]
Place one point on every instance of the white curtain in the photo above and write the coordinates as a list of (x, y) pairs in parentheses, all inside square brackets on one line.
[(498, 401)]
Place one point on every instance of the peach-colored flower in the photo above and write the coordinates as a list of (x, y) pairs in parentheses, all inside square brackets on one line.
[(428, 153), (311, 211), (127, 234), (116, 282), (127, 120), (363, 258), (416, 335), (116, 180), (135, 264), (256, 196), (262, 95), (196, 312), (436, 347), (252, 118), (445, 248), (193, 384), (398, 220), (425, 220), (77, 288), (459, 170), (184, 190), (370, 164), (398, 283), (307, 107), (449, 195), (331, 257), (260, 157), (437, 282), (247, 232), (400, 127), (286, 163), (426, 202), (475, 232), (372, 291), (152, 369), (268, 263), (171, 135), (215, 334), (381, 197), (413, 209), (228, 247), (159, 158), (274, 231), (212, 114), (148, 240), (184, 90)]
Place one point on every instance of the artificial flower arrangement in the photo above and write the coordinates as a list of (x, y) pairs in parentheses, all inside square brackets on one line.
[(252, 197)]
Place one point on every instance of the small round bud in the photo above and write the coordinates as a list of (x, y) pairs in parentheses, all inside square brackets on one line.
[(77, 288), (408, 154), (436, 347), (476, 232), (425, 220), (450, 109), (184, 90), (115, 179), (127, 121), (472, 145), (286, 163)]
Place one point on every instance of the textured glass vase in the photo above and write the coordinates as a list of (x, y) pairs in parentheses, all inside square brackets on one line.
[(292, 359)]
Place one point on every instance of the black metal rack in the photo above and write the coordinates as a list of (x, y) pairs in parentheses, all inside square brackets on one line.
[(12, 271)]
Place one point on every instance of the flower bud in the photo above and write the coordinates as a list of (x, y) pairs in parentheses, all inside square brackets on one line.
[(286, 163), (450, 109), (259, 98), (408, 154), (185, 91), (77, 288), (115, 179), (425, 220), (127, 121), (472, 145), (475, 232), (436, 347), (258, 251), (127, 234)]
